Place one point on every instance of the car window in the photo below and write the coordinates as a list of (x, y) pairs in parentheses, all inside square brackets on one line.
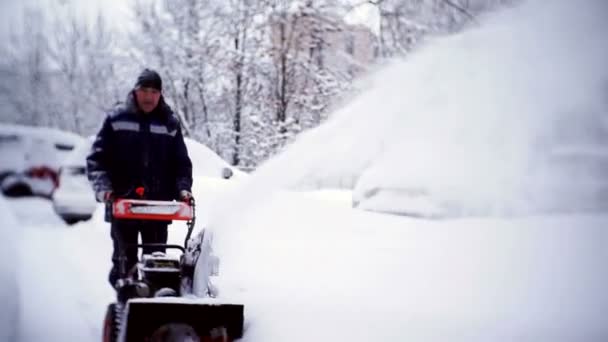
[(64, 147), (9, 138), (76, 170)]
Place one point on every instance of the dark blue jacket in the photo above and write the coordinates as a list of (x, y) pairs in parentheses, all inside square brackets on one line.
[(135, 149)]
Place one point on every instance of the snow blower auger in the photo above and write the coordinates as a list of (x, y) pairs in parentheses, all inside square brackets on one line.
[(154, 299)]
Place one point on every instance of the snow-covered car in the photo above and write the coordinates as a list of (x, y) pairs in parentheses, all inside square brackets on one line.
[(74, 199), (31, 157), (574, 178), (207, 163), (568, 178)]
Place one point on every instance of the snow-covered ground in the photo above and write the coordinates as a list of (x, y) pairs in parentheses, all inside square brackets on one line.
[(61, 272), (54, 276), (9, 291), (311, 271), (308, 267)]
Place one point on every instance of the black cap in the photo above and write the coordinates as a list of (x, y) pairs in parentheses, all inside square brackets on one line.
[(149, 79)]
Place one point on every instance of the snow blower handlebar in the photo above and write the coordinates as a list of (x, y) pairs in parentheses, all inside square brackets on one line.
[(152, 210), (135, 209)]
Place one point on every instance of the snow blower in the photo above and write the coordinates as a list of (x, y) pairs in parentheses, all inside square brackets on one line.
[(154, 299)]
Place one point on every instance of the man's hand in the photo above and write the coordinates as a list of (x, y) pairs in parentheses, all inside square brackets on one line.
[(185, 195), (104, 196)]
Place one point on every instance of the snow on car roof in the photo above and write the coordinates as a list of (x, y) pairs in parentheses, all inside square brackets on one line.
[(205, 162), (28, 146), (46, 133)]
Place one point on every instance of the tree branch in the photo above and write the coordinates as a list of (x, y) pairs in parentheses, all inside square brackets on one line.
[(460, 9)]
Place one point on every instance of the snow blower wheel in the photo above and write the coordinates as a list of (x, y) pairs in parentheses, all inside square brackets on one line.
[(111, 324)]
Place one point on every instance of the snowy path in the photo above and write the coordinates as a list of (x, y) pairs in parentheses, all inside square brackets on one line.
[(61, 276), (346, 275), (60, 272), (312, 272)]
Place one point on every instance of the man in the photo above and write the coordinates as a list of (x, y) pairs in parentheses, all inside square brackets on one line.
[(140, 145)]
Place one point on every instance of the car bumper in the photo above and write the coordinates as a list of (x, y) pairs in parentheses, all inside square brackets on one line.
[(76, 217), (71, 209)]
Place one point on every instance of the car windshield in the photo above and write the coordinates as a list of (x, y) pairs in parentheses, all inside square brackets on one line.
[(74, 170), (8, 138), (63, 147)]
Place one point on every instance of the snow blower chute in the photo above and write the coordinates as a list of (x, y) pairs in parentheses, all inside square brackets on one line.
[(154, 299)]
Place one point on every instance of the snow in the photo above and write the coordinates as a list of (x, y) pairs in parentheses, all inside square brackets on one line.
[(35, 146), (61, 274), (310, 271), (333, 273), (307, 266), (10, 287), (472, 119), (205, 162), (497, 101), (462, 120), (78, 156)]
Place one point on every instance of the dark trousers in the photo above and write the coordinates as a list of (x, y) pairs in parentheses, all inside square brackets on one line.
[(125, 234)]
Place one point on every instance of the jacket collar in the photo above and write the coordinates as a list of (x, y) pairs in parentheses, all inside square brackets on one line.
[(162, 110)]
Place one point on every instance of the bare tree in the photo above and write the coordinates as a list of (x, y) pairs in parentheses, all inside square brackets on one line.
[(25, 62), (238, 51), (62, 70)]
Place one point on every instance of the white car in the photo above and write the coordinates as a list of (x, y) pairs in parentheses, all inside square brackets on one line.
[(570, 178), (31, 157), (74, 200)]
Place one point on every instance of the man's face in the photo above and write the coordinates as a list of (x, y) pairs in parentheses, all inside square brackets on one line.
[(147, 98)]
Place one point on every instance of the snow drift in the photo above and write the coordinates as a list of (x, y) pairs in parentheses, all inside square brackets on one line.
[(473, 120)]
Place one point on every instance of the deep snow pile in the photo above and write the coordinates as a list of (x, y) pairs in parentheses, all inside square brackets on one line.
[(309, 271), (484, 100), (473, 119)]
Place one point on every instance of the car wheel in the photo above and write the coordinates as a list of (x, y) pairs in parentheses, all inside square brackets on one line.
[(70, 220), (17, 190), (73, 219)]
